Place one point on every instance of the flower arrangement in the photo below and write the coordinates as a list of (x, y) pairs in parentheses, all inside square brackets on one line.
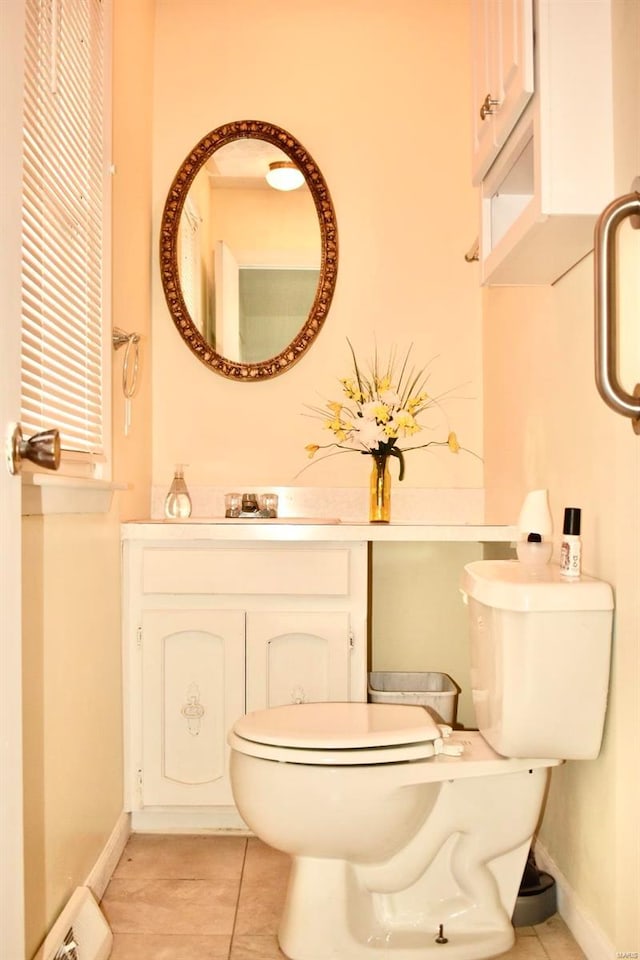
[(381, 408)]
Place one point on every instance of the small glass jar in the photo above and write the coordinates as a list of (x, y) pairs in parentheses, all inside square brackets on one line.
[(269, 504), (232, 504)]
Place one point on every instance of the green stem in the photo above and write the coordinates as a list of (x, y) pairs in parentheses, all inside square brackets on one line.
[(395, 452)]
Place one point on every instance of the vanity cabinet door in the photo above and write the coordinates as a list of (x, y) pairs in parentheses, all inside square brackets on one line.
[(192, 675), (297, 657)]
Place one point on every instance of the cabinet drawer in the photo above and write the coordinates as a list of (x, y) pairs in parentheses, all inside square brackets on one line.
[(295, 572)]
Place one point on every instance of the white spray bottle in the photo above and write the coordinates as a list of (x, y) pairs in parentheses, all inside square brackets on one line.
[(535, 524)]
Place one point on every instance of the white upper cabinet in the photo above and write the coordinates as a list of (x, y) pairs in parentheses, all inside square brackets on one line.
[(503, 74), (547, 173)]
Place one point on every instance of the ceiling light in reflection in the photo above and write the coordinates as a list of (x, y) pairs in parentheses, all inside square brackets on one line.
[(284, 175)]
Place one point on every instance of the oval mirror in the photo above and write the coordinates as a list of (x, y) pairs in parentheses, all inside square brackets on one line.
[(248, 268)]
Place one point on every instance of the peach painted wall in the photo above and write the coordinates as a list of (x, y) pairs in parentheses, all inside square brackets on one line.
[(72, 706), (418, 619), (545, 426), (133, 84), (386, 118), (267, 227)]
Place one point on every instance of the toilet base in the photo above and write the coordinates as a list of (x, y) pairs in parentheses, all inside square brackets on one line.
[(414, 947), (328, 914)]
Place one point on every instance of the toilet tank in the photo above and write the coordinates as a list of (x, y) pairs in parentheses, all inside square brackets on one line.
[(540, 655)]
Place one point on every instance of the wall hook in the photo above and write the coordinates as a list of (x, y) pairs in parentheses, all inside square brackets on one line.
[(473, 253)]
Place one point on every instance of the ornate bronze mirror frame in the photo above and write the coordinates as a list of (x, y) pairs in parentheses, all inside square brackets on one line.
[(169, 263)]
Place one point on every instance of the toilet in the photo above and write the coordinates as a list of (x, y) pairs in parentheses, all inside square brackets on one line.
[(409, 840)]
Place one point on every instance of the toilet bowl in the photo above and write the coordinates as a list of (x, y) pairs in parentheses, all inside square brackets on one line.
[(409, 840)]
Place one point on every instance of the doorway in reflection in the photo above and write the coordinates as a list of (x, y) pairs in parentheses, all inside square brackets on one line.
[(274, 302)]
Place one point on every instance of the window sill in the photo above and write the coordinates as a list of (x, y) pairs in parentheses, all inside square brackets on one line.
[(49, 493)]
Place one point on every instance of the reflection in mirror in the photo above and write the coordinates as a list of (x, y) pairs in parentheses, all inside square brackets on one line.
[(249, 254), (248, 270)]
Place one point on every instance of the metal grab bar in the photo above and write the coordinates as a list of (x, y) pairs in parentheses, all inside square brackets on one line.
[(607, 380)]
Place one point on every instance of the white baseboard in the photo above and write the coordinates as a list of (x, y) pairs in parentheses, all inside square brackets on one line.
[(106, 863), (585, 931), (188, 820)]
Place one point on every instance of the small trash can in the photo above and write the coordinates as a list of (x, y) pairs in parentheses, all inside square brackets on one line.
[(536, 900), (436, 691)]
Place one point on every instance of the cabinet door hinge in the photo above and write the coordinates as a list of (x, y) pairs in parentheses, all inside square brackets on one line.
[(351, 641), (140, 779), (139, 637)]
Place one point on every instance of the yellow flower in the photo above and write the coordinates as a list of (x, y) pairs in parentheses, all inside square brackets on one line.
[(414, 402), (337, 427), (381, 412), (312, 449), (383, 383), (452, 443), (352, 391), (406, 423), (335, 407)]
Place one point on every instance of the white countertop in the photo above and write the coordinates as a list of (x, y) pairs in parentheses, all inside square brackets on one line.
[(289, 529)]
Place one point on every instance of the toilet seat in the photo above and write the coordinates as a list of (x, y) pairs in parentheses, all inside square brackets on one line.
[(337, 733)]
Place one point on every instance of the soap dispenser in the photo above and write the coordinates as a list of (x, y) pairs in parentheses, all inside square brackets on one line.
[(177, 505)]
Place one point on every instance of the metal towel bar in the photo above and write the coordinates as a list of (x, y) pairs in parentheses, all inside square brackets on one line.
[(131, 341), (607, 381)]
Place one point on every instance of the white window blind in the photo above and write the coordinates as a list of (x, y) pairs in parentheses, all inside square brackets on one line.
[(64, 238)]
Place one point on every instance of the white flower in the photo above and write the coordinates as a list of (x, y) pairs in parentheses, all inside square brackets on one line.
[(367, 434), (391, 398), (403, 424), (375, 410)]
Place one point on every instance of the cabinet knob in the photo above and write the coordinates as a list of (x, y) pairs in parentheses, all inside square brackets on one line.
[(298, 695), (488, 107)]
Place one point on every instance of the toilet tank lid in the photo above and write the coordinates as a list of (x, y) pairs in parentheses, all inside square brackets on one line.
[(512, 585)]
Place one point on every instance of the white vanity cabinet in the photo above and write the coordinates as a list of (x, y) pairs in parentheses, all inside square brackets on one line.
[(543, 160), (215, 628)]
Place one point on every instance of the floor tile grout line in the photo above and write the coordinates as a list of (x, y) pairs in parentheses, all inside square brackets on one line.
[(235, 914), (543, 945)]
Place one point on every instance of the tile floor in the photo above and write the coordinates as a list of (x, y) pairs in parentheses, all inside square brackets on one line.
[(219, 898)]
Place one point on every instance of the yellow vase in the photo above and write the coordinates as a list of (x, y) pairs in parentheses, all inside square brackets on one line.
[(380, 490)]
